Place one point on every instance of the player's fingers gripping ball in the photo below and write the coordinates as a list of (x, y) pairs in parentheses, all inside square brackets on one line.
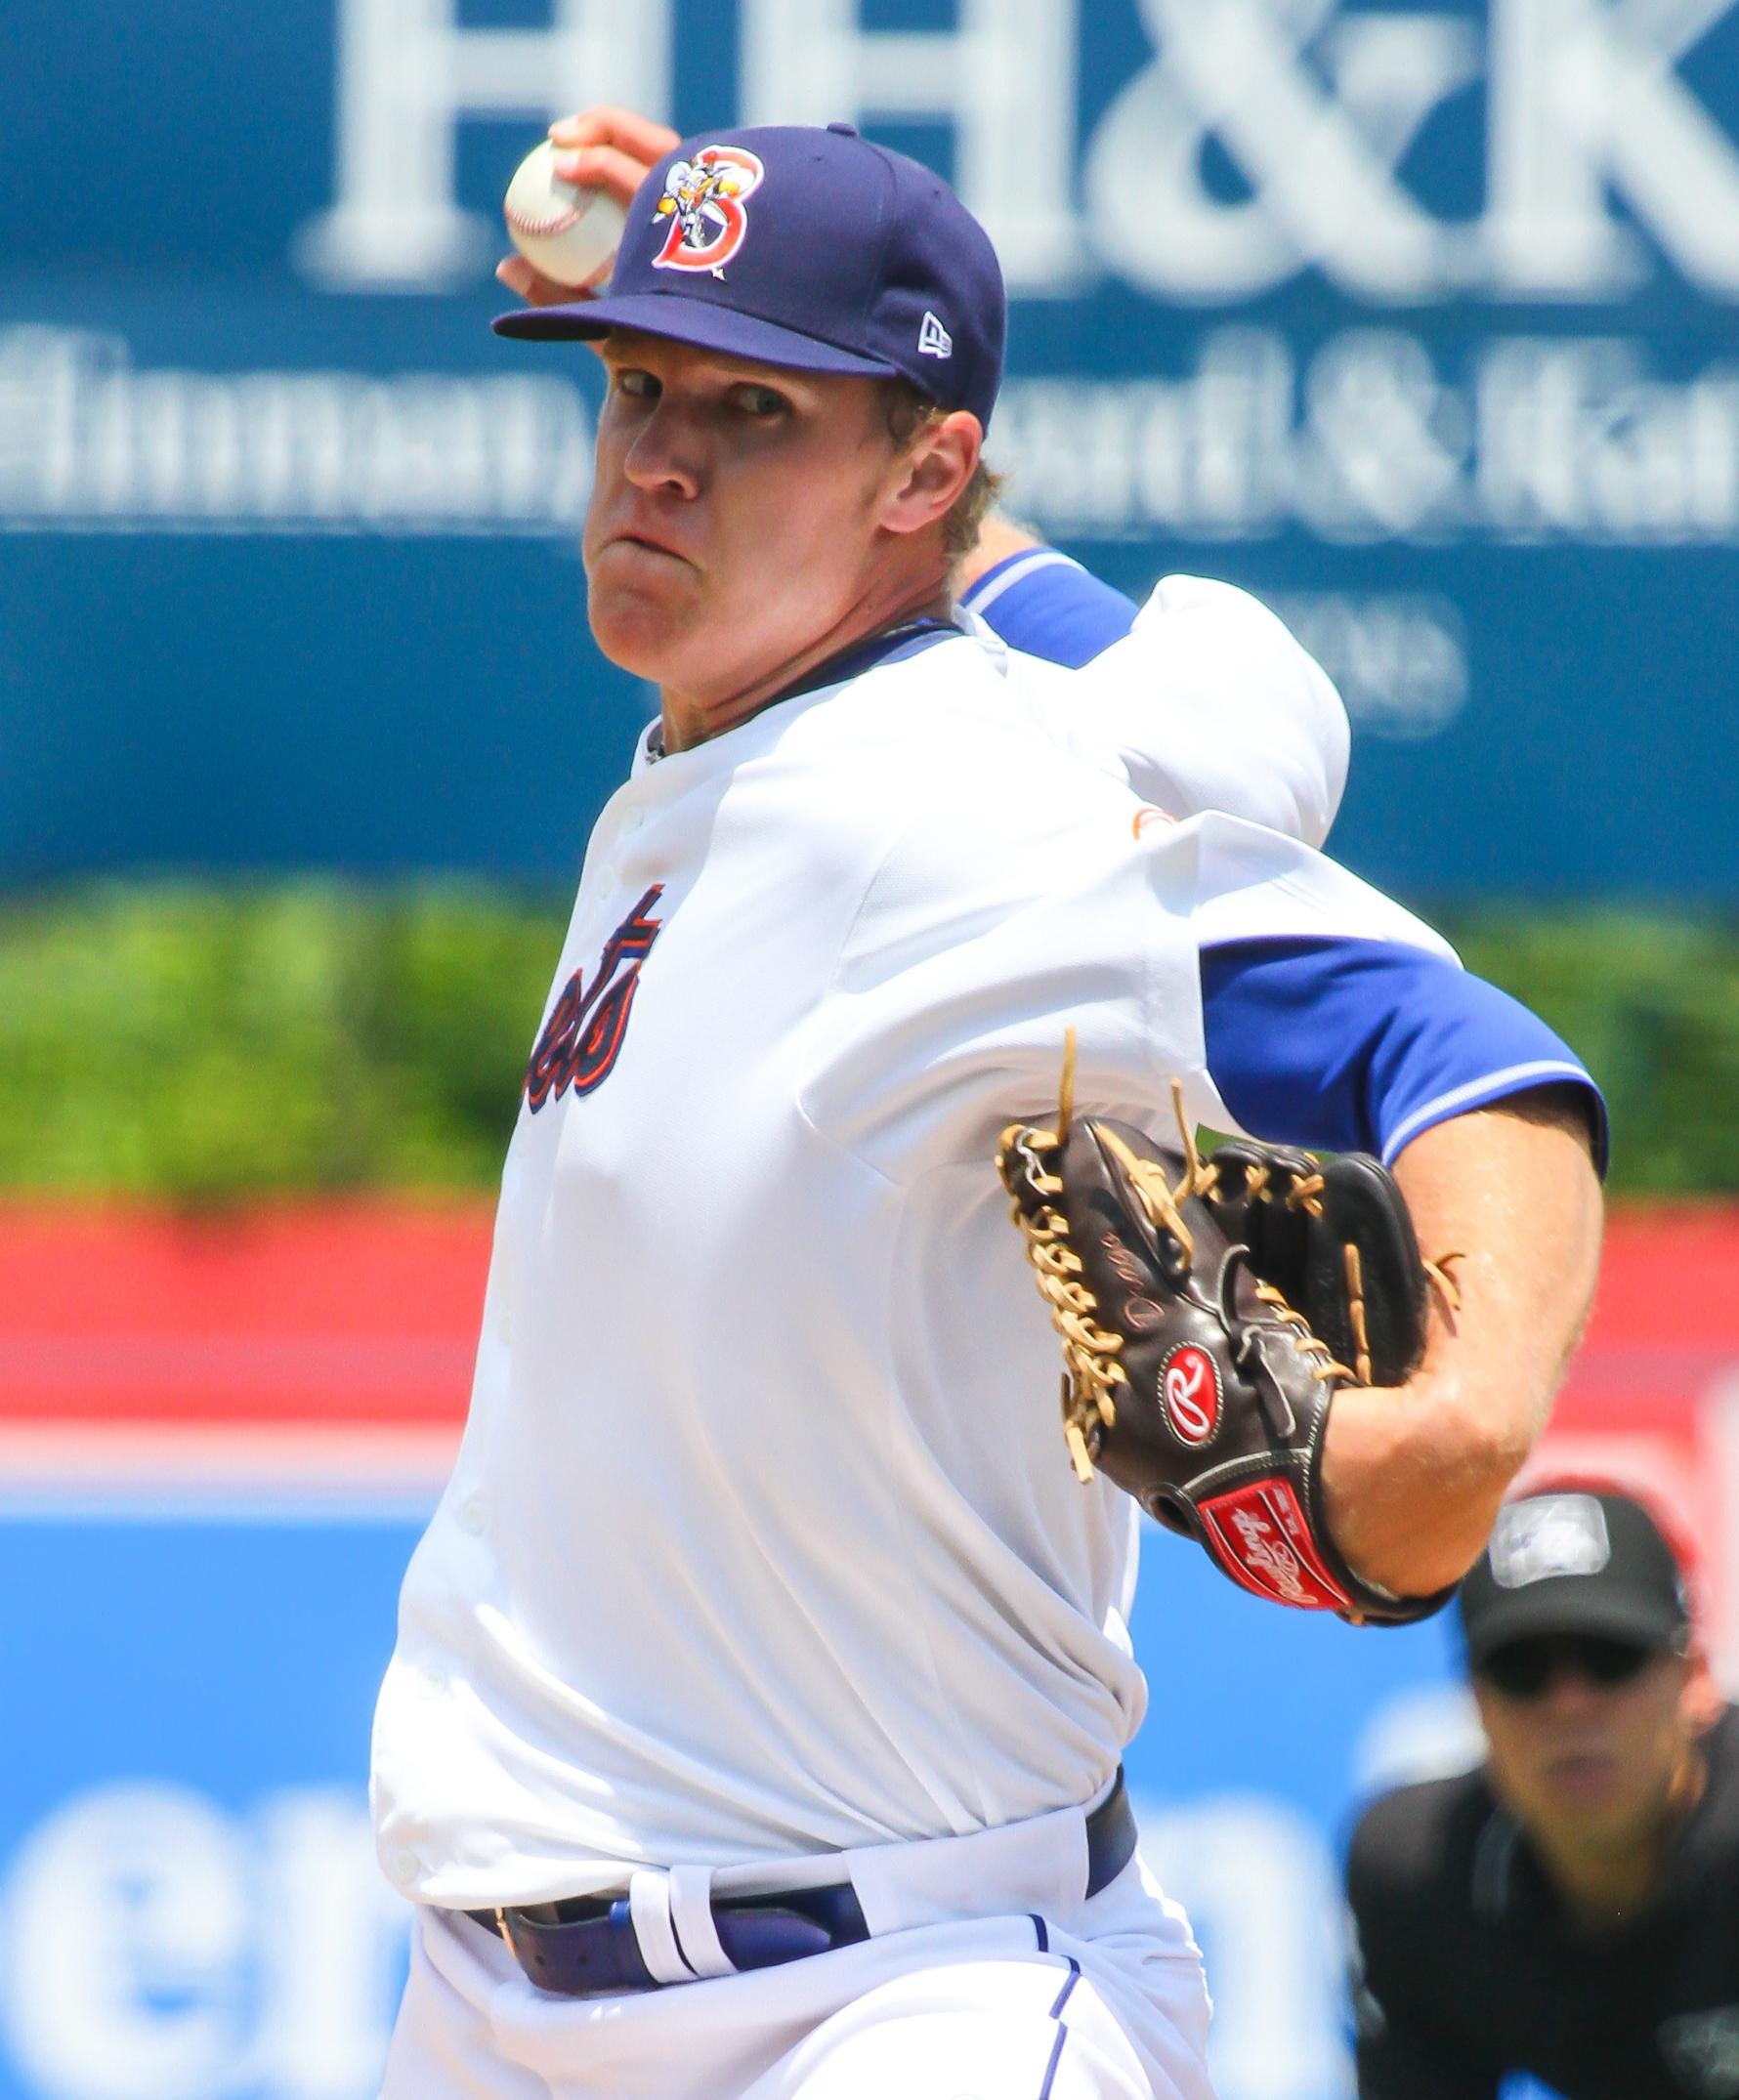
[(566, 233), (1192, 1378)]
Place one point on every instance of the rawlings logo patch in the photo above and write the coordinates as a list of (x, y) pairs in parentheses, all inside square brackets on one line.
[(1258, 1535), (1189, 1384), (582, 1037), (703, 201)]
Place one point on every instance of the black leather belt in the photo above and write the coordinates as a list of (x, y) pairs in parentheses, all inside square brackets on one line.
[(586, 1945)]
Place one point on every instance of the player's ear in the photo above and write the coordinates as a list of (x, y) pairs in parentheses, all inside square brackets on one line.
[(932, 472), (1701, 1702)]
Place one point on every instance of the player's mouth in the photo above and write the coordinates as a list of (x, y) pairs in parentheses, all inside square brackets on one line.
[(1582, 1774), (649, 543)]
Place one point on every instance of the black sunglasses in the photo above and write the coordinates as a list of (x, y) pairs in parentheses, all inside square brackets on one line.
[(1525, 1669)]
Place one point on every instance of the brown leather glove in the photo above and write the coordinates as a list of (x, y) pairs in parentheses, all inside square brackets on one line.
[(1335, 1237), (1192, 1377)]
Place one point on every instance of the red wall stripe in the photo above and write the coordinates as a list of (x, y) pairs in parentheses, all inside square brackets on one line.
[(367, 1314)]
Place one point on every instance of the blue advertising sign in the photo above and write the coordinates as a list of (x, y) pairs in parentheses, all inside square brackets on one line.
[(1417, 320)]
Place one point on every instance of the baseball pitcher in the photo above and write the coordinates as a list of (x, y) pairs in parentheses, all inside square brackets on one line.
[(762, 1680)]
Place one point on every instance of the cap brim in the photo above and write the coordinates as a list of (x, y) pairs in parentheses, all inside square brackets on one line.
[(1572, 1606), (682, 320)]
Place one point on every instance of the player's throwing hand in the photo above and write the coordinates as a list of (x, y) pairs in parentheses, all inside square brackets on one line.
[(603, 148)]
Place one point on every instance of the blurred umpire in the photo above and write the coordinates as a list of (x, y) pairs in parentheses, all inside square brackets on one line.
[(1571, 1910)]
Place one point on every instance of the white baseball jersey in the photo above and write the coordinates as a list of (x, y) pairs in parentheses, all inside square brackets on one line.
[(1202, 696), (762, 1540)]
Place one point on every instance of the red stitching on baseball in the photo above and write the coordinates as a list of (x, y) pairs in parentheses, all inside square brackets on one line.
[(541, 228)]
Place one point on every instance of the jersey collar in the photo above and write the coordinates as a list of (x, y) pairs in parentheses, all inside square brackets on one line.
[(892, 645)]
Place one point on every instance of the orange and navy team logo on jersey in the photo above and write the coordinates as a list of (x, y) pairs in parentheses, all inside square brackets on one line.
[(704, 201), (583, 1035)]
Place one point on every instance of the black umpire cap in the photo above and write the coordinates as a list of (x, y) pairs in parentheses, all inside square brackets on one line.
[(1575, 1561)]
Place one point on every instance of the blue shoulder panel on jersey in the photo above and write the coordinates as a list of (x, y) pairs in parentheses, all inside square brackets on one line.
[(1359, 1045), (1041, 602)]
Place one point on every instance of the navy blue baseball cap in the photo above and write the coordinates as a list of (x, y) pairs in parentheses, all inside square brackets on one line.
[(812, 249)]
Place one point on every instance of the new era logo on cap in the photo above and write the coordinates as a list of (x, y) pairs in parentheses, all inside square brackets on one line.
[(933, 339), (1549, 1535)]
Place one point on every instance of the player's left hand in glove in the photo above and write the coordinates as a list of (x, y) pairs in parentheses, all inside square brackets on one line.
[(1192, 1377)]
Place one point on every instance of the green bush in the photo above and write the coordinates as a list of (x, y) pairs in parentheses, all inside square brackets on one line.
[(202, 1044), (1651, 1004), (205, 1044)]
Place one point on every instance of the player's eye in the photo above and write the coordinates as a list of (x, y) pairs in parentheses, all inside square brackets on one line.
[(762, 402), (637, 385)]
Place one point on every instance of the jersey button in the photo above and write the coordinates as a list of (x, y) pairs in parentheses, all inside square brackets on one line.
[(404, 1867), (471, 1515)]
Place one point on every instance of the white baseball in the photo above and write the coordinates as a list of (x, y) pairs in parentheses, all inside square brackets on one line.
[(568, 234)]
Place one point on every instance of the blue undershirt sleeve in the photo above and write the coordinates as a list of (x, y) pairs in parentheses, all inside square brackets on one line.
[(1359, 1045), (1041, 601)]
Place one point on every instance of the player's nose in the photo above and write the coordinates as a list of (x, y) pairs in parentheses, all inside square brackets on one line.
[(1572, 1701), (665, 455)]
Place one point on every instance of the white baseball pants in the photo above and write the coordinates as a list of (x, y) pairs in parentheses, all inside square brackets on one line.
[(1098, 2000)]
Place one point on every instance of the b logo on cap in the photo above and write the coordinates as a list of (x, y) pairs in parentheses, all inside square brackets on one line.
[(703, 201)]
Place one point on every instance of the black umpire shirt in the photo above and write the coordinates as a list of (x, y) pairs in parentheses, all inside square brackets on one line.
[(1466, 1968)]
